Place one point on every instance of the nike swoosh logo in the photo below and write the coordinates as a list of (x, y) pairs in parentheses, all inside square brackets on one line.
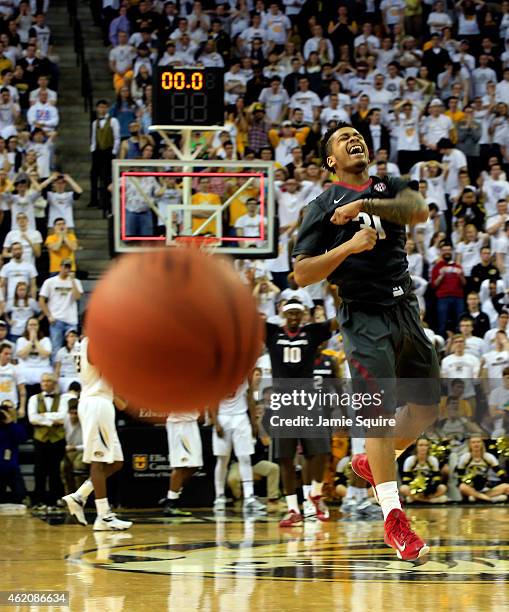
[(338, 201), (400, 548)]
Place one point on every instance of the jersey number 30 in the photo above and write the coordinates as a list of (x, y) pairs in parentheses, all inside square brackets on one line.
[(291, 354), (366, 220)]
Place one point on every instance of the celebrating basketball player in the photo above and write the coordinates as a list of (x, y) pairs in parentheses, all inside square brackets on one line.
[(101, 446), (292, 349), (354, 234)]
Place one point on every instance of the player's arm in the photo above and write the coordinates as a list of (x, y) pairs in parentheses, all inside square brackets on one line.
[(213, 419), (119, 403), (22, 394), (407, 208), (309, 269)]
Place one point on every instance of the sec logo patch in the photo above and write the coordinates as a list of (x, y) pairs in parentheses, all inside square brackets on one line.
[(381, 187)]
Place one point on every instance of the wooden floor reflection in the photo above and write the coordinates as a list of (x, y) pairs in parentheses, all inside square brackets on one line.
[(228, 564)]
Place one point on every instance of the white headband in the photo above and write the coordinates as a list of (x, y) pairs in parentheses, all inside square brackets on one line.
[(292, 306)]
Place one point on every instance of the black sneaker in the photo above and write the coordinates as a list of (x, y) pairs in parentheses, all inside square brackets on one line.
[(170, 508)]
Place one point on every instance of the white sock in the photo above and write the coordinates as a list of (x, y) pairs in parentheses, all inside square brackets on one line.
[(292, 503), (246, 475), (220, 474), (306, 491), (103, 506), (173, 494), (84, 491), (388, 496), (316, 488)]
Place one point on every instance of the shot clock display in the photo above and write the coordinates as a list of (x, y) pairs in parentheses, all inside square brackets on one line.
[(188, 96)]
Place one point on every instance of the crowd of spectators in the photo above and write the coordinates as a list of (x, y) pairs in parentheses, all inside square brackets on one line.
[(427, 85), (39, 293)]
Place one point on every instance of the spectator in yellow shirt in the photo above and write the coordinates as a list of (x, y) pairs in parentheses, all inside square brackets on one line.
[(456, 392), (204, 196), (62, 244)]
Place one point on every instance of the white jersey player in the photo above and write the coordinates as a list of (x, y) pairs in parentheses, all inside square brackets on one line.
[(233, 429), (101, 446), (185, 450)]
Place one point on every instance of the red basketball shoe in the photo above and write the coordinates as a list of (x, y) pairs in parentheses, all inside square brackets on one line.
[(322, 512), (399, 535), (360, 466), (292, 519)]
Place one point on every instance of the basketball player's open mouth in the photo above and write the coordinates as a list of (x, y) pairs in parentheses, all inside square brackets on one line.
[(356, 149)]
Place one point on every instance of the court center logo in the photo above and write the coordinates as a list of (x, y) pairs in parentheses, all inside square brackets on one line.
[(452, 560)]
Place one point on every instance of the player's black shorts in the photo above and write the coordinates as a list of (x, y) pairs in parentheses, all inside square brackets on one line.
[(285, 448), (389, 346)]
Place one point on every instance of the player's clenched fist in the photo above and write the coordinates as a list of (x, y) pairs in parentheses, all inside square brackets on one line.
[(364, 240), (346, 213)]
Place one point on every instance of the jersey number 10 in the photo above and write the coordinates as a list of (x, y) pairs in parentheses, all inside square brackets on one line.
[(366, 220), (291, 354)]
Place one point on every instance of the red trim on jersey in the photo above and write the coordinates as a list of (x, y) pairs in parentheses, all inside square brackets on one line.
[(290, 333), (355, 187)]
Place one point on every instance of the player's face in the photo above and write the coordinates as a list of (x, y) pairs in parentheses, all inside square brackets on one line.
[(348, 151), (293, 318)]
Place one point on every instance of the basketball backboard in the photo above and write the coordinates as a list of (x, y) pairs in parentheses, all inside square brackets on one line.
[(162, 203)]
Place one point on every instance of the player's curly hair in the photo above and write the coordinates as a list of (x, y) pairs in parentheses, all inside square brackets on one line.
[(325, 148)]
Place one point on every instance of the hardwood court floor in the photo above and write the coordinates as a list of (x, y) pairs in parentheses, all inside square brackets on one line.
[(230, 565)]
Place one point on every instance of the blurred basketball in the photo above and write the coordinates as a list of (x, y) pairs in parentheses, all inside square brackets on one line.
[(173, 330)]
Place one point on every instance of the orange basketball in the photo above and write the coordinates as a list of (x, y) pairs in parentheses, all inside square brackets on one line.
[(173, 330)]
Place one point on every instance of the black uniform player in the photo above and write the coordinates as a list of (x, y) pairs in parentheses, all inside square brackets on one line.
[(292, 351), (354, 234)]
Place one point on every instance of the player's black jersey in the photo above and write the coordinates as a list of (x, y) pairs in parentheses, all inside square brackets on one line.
[(379, 276), (293, 354)]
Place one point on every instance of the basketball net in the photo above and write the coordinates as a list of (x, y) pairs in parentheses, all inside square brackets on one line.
[(202, 243)]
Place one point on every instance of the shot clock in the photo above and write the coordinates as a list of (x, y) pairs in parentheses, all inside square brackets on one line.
[(188, 96)]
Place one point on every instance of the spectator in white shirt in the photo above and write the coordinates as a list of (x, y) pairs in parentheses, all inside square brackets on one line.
[(436, 125), (9, 110), (251, 224), (33, 351), (171, 57), (312, 44), (61, 200), (367, 37), (121, 60), (494, 188), (65, 361), (473, 344), (333, 112), (43, 114), (19, 310), (460, 364), (30, 239), (482, 74), (502, 88), (17, 270), (58, 299), (438, 19), (278, 26), (276, 100), (306, 100)]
